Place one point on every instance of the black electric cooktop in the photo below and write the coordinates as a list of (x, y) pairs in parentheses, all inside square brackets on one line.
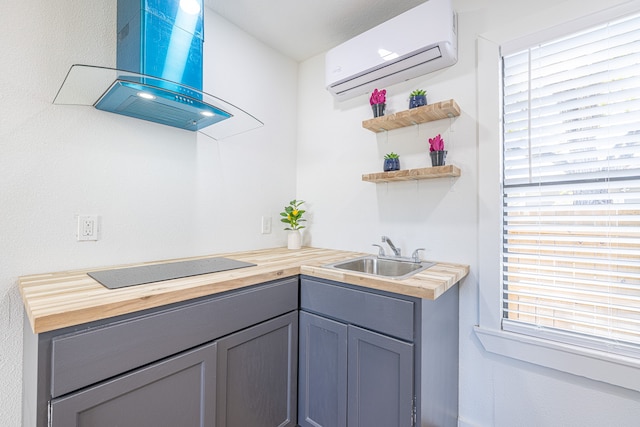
[(131, 276)]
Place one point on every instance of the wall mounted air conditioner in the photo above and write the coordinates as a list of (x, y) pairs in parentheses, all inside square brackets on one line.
[(414, 43)]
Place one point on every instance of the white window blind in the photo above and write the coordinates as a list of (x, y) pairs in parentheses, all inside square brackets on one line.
[(571, 188)]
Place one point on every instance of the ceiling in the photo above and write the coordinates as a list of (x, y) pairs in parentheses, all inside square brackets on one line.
[(301, 29)]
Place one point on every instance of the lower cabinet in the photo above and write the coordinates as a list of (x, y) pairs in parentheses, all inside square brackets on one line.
[(371, 358), (323, 372), (179, 391), (352, 376), (229, 360), (256, 375), (245, 379), (380, 380), (305, 351)]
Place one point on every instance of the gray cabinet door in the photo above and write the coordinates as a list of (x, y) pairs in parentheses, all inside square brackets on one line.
[(179, 391), (380, 380), (323, 372), (256, 374)]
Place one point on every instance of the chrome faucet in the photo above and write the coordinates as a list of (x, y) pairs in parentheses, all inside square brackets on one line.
[(388, 241), (380, 250), (416, 254)]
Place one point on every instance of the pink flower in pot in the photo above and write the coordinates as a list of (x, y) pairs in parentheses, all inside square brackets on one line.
[(378, 97), (436, 144), (437, 151), (378, 101)]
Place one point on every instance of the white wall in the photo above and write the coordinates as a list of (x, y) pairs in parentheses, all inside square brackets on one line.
[(441, 215), (161, 192)]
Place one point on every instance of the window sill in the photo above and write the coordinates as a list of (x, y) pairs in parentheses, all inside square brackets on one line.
[(597, 365)]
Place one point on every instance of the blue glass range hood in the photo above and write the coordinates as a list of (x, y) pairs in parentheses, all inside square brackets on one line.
[(162, 38), (160, 105), (159, 72)]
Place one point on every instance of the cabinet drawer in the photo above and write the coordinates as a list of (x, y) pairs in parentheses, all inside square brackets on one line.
[(382, 313), (173, 392), (85, 358)]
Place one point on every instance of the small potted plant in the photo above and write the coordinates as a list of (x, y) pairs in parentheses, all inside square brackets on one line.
[(378, 101), (292, 216), (437, 151), (391, 162), (417, 98)]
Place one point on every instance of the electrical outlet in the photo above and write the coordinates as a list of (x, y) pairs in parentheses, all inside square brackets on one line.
[(266, 225), (87, 228)]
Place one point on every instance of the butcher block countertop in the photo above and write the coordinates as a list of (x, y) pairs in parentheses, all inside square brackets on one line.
[(58, 300)]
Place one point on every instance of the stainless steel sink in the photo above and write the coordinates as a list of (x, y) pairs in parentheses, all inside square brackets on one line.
[(382, 267)]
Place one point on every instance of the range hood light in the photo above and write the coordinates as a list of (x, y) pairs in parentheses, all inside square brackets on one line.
[(207, 113), (146, 95)]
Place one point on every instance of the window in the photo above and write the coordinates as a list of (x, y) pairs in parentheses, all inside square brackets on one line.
[(571, 189)]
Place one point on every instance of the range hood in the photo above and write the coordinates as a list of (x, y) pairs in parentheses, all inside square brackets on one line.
[(159, 72)]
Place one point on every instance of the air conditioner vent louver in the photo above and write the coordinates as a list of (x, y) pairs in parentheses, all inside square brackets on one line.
[(388, 69)]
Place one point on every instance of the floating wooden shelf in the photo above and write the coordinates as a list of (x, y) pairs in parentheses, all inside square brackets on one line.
[(413, 174), (413, 116)]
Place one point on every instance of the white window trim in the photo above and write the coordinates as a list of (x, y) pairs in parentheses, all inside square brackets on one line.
[(597, 365)]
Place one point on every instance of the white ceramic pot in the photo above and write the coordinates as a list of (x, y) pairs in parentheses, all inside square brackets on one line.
[(294, 239)]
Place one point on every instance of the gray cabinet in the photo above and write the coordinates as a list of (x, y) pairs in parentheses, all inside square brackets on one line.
[(179, 391), (244, 379), (380, 380), (323, 372), (371, 358), (256, 375), (366, 358), (352, 376), (170, 366)]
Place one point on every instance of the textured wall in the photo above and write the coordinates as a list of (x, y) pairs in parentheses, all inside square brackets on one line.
[(440, 215), (161, 192)]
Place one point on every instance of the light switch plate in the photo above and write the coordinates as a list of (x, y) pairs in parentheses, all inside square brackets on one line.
[(266, 225)]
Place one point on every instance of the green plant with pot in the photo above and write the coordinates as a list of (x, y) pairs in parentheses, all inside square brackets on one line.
[(418, 98), (391, 162), (292, 215)]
